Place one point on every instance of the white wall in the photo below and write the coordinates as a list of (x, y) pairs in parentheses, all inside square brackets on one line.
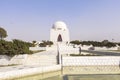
[(91, 60), (85, 47), (30, 60), (105, 48), (68, 50), (63, 49), (17, 59), (37, 48)]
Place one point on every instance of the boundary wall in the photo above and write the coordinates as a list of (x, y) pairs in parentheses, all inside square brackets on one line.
[(90, 60)]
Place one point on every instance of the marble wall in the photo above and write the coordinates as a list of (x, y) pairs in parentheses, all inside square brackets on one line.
[(90, 60)]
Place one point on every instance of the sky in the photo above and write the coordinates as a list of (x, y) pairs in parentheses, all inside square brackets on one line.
[(29, 20)]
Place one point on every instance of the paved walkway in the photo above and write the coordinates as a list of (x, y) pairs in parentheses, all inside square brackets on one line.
[(47, 60), (19, 67), (10, 72)]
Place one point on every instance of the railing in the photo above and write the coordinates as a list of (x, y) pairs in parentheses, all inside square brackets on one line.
[(91, 65)]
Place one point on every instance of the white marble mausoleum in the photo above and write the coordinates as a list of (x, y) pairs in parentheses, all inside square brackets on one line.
[(59, 33)]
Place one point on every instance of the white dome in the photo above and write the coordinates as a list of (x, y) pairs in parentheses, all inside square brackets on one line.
[(59, 25)]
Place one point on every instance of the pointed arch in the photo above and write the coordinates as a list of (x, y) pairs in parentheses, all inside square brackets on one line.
[(59, 39)]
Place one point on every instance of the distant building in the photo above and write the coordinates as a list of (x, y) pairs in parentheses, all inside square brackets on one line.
[(59, 33)]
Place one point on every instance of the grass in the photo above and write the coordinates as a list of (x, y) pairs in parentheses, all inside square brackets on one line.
[(95, 77), (114, 50), (84, 55), (8, 65), (38, 51)]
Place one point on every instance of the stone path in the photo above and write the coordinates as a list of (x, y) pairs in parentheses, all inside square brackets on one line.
[(10, 72)]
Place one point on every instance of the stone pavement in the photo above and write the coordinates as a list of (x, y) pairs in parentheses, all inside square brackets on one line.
[(22, 70)]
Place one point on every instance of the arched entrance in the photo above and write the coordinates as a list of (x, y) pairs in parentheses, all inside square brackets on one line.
[(59, 39)]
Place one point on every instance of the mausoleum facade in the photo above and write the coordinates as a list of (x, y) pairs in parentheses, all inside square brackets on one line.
[(59, 33)]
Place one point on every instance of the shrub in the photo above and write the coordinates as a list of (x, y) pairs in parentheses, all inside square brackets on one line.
[(14, 47)]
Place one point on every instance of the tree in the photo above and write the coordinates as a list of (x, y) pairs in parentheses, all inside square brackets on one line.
[(7, 48), (14, 47), (34, 42), (45, 43), (105, 42), (110, 44), (22, 47), (3, 33), (76, 42), (49, 43)]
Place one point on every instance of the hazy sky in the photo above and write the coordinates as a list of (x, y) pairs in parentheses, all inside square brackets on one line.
[(86, 19)]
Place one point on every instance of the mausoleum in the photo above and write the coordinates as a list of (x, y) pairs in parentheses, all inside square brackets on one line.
[(59, 33)]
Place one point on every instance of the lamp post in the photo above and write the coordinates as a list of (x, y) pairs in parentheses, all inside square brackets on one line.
[(79, 50)]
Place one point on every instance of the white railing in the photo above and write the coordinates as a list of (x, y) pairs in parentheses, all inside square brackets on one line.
[(91, 60)]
